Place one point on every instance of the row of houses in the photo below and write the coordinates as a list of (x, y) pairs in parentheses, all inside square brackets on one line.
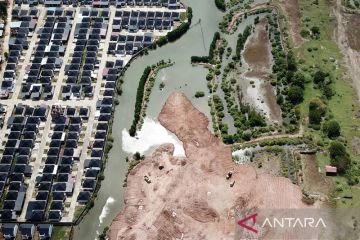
[(10, 231), (22, 26), (47, 57), (56, 178), (104, 106), (171, 4), (23, 128), (83, 68), (144, 20)]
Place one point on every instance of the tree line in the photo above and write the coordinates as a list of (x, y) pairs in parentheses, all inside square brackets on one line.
[(178, 32), (211, 56), (139, 100)]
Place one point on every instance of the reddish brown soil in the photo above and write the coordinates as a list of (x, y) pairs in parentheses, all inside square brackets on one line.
[(190, 198), (315, 182)]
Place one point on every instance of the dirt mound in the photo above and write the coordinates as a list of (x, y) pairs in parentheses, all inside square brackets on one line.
[(200, 211), (191, 198)]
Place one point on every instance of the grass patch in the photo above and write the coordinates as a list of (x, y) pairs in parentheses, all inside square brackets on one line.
[(322, 53), (61, 233), (78, 211)]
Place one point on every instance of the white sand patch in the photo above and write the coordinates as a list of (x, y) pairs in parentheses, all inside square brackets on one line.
[(151, 134), (256, 97), (106, 209), (243, 155)]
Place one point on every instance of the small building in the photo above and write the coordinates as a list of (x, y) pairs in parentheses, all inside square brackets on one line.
[(83, 197), (45, 231), (9, 230), (27, 231), (330, 170)]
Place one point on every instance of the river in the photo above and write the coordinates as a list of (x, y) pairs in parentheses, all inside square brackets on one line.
[(182, 76)]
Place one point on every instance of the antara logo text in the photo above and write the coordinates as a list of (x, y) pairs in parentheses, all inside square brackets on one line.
[(283, 222)]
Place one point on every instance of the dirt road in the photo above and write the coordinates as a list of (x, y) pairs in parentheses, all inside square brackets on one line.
[(190, 198), (242, 12), (351, 56)]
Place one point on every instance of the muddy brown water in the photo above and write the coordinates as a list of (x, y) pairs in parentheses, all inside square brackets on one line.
[(258, 59), (257, 52)]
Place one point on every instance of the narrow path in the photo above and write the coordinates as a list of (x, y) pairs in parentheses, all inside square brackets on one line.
[(299, 134), (351, 56), (242, 12)]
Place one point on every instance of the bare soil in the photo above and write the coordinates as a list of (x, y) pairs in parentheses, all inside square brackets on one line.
[(355, 144), (292, 11), (314, 181), (265, 162), (353, 31), (347, 42), (190, 198)]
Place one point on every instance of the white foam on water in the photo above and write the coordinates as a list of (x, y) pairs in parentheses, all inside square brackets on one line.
[(106, 209), (163, 75), (151, 134), (243, 155)]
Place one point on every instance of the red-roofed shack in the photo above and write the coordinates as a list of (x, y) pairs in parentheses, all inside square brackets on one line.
[(330, 171)]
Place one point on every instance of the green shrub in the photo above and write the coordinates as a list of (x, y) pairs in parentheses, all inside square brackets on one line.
[(332, 129), (220, 4), (199, 94), (339, 157)]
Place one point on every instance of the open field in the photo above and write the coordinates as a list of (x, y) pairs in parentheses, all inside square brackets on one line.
[(342, 106), (61, 233), (315, 182)]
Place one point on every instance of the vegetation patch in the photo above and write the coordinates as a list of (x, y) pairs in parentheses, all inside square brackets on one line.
[(139, 100), (329, 99), (3, 10), (199, 94), (61, 233), (220, 4), (177, 32)]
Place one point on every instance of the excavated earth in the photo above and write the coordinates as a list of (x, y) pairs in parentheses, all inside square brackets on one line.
[(190, 197)]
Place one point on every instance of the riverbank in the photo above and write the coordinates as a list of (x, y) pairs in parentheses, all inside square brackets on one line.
[(149, 84)]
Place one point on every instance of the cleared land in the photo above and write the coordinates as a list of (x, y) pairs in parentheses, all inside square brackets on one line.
[(190, 197)]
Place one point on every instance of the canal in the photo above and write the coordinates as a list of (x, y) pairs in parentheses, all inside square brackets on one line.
[(182, 76)]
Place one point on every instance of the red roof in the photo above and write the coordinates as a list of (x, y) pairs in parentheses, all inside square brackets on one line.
[(330, 169)]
